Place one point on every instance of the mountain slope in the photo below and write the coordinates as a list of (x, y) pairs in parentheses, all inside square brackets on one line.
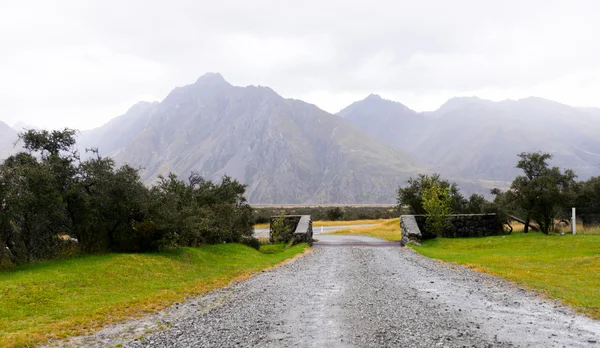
[(476, 139), (8, 137), (287, 151), (385, 120)]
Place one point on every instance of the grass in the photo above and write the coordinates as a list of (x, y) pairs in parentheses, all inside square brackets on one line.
[(385, 229), (590, 230), (75, 296), (334, 223), (562, 267)]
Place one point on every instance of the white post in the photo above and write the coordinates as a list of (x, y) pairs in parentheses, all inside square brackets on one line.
[(321, 229), (573, 223)]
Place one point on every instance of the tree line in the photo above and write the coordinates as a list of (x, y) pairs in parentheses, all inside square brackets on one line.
[(52, 203), (541, 195)]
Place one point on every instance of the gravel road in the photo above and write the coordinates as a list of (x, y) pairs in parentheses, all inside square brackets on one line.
[(352, 291)]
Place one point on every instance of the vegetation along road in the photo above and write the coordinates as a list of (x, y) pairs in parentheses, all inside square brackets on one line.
[(357, 291)]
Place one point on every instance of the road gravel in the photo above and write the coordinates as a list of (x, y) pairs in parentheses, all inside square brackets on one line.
[(353, 291)]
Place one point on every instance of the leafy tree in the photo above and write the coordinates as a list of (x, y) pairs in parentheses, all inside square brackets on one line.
[(543, 192), (437, 204), (48, 195), (412, 194), (476, 204), (587, 199), (33, 212)]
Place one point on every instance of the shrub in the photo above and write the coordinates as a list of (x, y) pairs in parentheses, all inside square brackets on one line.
[(251, 242), (436, 203)]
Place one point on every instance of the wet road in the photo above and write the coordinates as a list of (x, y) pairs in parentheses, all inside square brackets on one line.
[(353, 291)]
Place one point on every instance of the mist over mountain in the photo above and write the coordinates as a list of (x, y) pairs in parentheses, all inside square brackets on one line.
[(286, 150), (289, 151), (472, 138), (383, 119)]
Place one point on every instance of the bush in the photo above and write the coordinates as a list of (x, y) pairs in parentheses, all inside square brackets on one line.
[(48, 195), (251, 242), (335, 214), (281, 229)]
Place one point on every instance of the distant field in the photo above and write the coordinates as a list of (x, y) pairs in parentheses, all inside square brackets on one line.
[(385, 229), (69, 297), (563, 267), (336, 223), (336, 212)]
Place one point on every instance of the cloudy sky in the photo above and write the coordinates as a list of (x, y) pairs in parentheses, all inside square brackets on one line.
[(79, 63)]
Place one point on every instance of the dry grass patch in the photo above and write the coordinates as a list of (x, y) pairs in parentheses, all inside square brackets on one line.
[(336, 223), (385, 229)]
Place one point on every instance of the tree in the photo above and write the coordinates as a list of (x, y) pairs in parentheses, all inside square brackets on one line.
[(587, 198), (412, 194), (437, 204), (543, 192), (476, 204)]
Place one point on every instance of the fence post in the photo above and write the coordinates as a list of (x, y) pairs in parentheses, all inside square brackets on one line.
[(573, 222)]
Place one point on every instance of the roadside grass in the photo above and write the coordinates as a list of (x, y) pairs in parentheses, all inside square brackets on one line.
[(335, 223), (56, 299), (385, 229), (563, 267)]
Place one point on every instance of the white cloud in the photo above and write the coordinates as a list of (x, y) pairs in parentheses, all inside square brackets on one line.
[(80, 63)]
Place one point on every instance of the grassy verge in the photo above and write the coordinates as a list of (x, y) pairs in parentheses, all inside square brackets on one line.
[(335, 223), (385, 229), (69, 297), (563, 267)]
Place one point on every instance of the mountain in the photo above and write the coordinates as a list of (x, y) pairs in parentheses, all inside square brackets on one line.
[(285, 150), (20, 126), (476, 139), (385, 120), (8, 137)]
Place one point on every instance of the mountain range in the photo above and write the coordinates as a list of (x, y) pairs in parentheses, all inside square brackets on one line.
[(472, 138), (289, 151)]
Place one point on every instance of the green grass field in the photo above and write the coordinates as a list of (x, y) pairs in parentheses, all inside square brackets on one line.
[(562, 267), (60, 298)]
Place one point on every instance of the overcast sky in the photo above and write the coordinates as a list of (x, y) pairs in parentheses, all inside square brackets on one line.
[(80, 63)]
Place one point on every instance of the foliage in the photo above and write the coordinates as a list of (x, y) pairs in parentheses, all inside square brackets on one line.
[(335, 214), (542, 192), (252, 242), (412, 194), (50, 199), (587, 199), (476, 204), (280, 229), (437, 204)]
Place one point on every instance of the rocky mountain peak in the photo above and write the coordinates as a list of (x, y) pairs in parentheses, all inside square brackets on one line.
[(374, 97), (212, 79)]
